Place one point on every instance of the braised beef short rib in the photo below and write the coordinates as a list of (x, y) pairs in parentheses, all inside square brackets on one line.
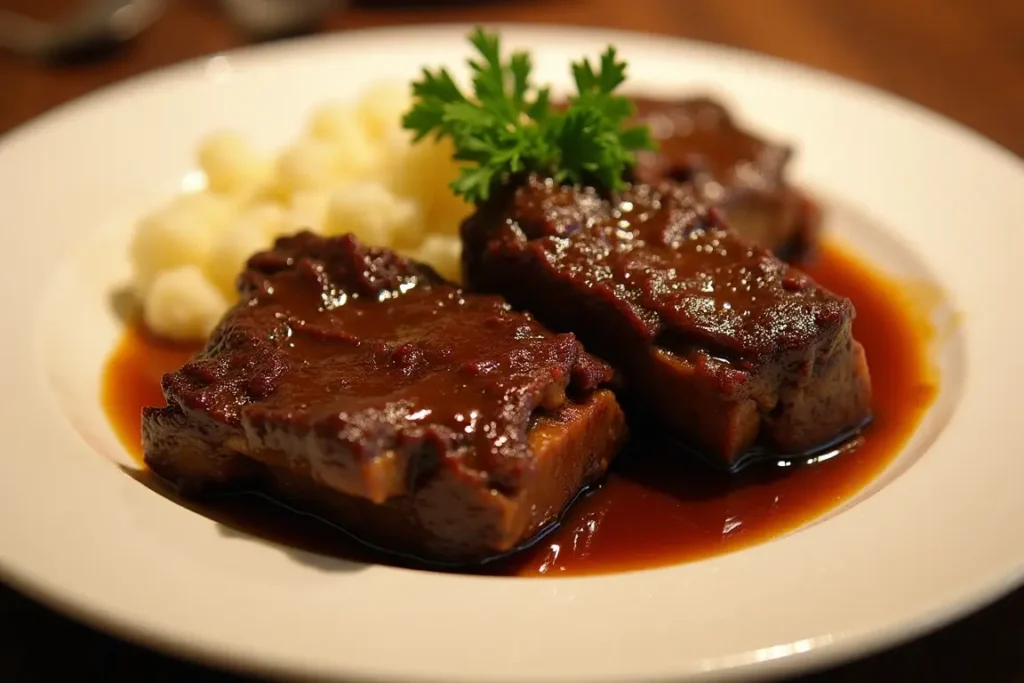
[(727, 347), (700, 142), (358, 385)]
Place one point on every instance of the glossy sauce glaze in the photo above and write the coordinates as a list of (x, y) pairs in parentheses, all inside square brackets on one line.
[(698, 135), (652, 510), (670, 266), (720, 343), (700, 142), (356, 383)]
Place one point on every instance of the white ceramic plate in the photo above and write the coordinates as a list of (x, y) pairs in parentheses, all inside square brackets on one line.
[(941, 532)]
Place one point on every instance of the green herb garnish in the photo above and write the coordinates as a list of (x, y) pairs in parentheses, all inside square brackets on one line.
[(508, 126)]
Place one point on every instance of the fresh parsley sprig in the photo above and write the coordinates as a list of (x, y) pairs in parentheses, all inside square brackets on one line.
[(508, 126)]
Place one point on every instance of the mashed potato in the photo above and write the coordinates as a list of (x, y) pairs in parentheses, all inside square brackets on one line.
[(351, 169)]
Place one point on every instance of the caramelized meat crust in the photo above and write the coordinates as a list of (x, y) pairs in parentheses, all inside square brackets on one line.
[(700, 142), (728, 347), (361, 386)]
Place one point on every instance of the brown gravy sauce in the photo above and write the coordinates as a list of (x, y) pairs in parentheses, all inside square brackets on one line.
[(655, 508)]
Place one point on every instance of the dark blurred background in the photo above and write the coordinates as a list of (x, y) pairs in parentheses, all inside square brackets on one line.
[(962, 58)]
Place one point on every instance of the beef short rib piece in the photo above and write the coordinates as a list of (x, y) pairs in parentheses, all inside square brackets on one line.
[(360, 386), (729, 348), (700, 142)]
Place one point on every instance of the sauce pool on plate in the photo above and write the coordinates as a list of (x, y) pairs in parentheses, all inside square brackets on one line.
[(656, 507)]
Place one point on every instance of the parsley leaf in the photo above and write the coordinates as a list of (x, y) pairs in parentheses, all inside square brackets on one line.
[(507, 126)]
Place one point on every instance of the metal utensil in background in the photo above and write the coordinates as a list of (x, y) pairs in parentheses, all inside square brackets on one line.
[(270, 19), (96, 28)]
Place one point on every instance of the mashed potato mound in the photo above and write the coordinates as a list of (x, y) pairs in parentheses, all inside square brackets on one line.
[(182, 304), (351, 169)]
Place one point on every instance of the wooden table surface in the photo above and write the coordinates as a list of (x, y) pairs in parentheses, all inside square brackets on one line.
[(962, 58)]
